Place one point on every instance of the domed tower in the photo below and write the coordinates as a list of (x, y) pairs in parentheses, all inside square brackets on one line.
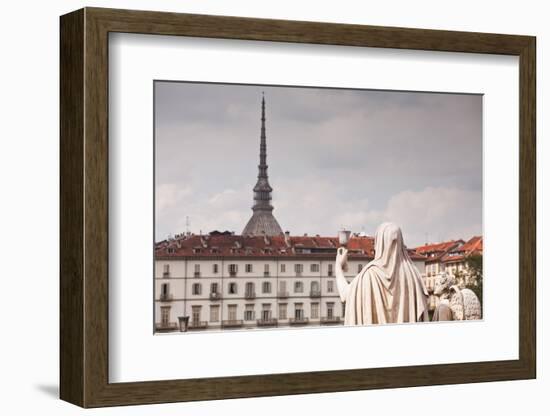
[(262, 221)]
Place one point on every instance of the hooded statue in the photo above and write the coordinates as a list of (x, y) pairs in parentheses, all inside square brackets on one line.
[(389, 289)]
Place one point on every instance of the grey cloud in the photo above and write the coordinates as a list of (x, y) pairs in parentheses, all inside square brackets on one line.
[(356, 145)]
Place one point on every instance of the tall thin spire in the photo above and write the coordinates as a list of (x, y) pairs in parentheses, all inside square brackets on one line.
[(262, 221)]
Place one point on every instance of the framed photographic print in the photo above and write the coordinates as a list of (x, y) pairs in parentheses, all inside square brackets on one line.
[(255, 207)]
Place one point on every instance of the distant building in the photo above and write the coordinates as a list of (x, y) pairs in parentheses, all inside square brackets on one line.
[(262, 221), (451, 257), (226, 281)]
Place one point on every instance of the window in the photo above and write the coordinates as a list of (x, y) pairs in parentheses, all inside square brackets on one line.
[(266, 269), (248, 268), (298, 287), (314, 311), (232, 288), (214, 313), (314, 267), (197, 289), (330, 310), (164, 289), (298, 269), (299, 311), (166, 270), (330, 286), (266, 287), (232, 269), (249, 290), (249, 312), (283, 268), (282, 311), (266, 311), (196, 313), (232, 312), (165, 315), (330, 271), (359, 268), (214, 288), (214, 268), (315, 286), (197, 270), (343, 309), (282, 286)]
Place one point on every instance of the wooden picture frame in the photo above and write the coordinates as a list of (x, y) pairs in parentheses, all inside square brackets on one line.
[(84, 207)]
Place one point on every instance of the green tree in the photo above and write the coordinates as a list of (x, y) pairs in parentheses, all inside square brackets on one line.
[(475, 268)]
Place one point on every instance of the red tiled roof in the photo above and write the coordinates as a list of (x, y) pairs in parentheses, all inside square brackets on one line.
[(473, 246), (230, 245), (438, 247)]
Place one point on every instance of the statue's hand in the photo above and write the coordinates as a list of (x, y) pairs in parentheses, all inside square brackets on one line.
[(342, 258)]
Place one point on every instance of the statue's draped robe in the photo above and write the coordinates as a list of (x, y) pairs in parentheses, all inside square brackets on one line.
[(389, 289)]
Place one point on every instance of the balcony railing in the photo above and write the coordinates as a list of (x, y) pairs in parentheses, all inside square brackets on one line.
[(329, 273), (197, 274), (298, 321), (266, 274), (232, 323), (250, 295), (166, 274), (267, 322), (315, 293), (215, 295), (331, 320), (166, 297), (166, 326), (282, 294), (232, 273), (197, 325)]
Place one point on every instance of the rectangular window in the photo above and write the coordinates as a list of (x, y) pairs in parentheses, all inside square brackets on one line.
[(266, 287), (164, 289), (330, 269), (214, 268), (232, 288), (266, 311), (330, 310), (330, 286), (197, 289), (298, 287), (248, 268), (282, 311), (298, 269), (314, 268), (249, 312), (196, 313), (299, 311), (165, 315), (214, 288), (359, 268), (197, 270), (232, 312), (343, 309), (283, 268), (282, 286), (166, 270), (266, 269), (214, 313), (232, 269), (314, 311)]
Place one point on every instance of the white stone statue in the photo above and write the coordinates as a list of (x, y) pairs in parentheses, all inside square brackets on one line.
[(389, 289), (455, 304)]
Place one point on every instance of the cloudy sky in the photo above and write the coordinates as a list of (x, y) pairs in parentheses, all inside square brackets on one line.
[(351, 158)]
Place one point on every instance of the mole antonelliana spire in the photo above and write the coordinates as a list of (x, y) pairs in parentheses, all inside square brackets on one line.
[(262, 221)]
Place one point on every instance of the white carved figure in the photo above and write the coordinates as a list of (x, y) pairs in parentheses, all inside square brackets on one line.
[(389, 289), (456, 304)]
